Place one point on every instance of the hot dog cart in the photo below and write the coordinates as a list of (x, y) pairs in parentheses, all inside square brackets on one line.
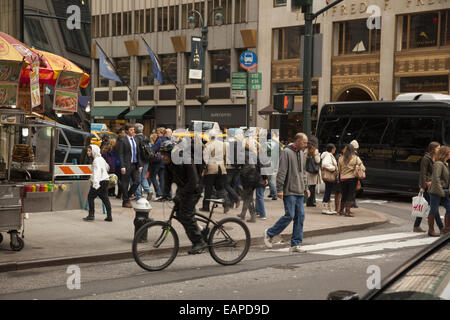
[(29, 179)]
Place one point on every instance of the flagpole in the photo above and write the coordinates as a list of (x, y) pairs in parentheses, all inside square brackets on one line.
[(117, 73), (167, 73)]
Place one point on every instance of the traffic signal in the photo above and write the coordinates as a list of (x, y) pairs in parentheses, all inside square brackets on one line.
[(298, 4), (283, 102)]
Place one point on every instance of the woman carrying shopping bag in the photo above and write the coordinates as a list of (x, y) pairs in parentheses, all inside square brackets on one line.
[(439, 194), (351, 169), (426, 171), (312, 169), (329, 176)]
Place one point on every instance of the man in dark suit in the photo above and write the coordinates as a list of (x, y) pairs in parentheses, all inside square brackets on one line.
[(130, 164)]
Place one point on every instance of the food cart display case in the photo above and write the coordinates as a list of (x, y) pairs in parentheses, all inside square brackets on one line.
[(28, 149)]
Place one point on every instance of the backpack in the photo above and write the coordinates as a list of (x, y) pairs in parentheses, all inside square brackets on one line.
[(147, 152), (311, 166)]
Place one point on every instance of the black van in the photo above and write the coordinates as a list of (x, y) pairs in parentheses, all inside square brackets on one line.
[(392, 136), (71, 142)]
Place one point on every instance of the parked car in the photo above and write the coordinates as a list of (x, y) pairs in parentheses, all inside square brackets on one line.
[(426, 276), (71, 142)]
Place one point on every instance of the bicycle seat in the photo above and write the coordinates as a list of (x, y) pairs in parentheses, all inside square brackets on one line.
[(218, 201)]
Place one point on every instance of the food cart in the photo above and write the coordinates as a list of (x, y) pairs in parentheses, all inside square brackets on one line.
[(30, 181)]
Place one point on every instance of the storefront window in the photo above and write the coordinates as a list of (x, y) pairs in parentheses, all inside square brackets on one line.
[(422, 30), (146, 71), (220, 66), (169, 67), (436, 84), (445, 28), (123, 69), (356, 38), (287, 42)]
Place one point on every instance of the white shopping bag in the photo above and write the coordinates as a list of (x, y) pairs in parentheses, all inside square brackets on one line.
[(420, 207)]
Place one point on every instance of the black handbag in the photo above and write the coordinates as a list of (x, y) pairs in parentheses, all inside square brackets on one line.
[(311, 166)]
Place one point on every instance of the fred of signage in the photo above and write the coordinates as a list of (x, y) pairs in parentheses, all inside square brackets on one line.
[(34, 85)]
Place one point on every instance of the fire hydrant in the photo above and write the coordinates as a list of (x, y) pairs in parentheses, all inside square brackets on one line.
[(142, 209)]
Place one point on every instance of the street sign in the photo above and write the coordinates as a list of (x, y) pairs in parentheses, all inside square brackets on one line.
[(255, 81), (248, 60), (239, 81)]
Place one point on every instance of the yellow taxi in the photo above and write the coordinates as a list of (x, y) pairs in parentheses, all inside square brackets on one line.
[(99, 136)]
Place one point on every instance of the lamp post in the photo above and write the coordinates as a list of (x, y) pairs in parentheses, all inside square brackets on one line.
[(218, 18)]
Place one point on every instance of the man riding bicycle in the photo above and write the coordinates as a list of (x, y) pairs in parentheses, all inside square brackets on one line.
[(187, 179)]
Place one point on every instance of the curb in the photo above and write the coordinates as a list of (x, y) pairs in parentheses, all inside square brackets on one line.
[(31, 264)]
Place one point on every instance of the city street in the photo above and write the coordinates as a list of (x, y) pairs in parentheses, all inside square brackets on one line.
[(332, 262)]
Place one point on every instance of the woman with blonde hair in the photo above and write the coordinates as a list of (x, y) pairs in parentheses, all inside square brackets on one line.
[(349, 165)]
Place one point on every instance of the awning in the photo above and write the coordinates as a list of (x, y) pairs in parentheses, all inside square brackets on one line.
[(298, 108), (107, 113), (138, 112)]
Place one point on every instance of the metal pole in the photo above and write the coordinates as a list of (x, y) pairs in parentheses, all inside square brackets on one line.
[(307, 68), (205, 48), (248, 99)]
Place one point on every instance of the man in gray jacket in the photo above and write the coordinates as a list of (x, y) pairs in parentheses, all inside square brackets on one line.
[(291, 187)]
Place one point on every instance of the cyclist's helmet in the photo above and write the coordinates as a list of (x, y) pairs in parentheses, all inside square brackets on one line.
[(167, 146)]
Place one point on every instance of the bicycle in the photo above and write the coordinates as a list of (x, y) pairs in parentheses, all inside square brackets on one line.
[(156, 243)]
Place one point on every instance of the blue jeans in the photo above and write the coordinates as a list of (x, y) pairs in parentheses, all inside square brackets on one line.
[(293, 207), (435, 202), (328, 190), (144, 183), (259, 202), (158, 186), (272, 186)]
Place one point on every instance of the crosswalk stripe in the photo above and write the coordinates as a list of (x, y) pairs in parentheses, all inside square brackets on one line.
[(377, 247), (361, 240), (365, 244)]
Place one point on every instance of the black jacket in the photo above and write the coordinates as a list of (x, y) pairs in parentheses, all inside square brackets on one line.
[(124, 149), (186, 177)]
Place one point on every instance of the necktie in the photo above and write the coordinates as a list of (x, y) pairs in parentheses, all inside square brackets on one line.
[(134, 151)]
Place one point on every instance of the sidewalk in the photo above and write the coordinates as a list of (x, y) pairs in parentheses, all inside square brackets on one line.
[(60, 238)]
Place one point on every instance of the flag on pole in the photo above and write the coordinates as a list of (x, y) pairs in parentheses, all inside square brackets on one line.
[(106, 69), (156, 65)]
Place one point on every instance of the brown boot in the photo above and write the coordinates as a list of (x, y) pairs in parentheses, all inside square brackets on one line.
[(431, 232), (337, 202), (447, 224)]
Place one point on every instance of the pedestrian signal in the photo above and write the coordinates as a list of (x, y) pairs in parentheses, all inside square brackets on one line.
[(283, 102)]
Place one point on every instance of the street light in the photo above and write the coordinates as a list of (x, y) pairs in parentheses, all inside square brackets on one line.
[(192, 22)]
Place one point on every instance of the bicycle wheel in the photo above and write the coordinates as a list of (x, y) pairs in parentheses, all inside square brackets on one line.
[(155, 246), (229, 241)]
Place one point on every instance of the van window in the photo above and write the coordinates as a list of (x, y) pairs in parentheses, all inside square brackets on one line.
[(75, 138), (373, 130), (331, 130), (447, 132), (353, 129), (414, 132)]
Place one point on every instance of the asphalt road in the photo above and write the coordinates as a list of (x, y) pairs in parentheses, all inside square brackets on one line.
[(333, 262)]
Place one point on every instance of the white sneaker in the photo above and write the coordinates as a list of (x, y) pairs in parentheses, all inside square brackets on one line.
[(297, 249), (326, 208), (267, 240)]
